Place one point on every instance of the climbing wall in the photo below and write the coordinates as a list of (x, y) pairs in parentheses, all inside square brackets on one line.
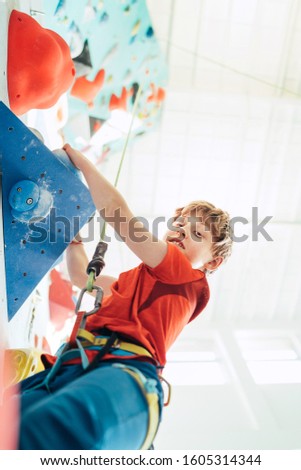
[(45, 203), (92, 58), (115, 51)]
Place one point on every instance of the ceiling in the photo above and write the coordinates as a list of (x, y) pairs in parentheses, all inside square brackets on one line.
[(230, 133)]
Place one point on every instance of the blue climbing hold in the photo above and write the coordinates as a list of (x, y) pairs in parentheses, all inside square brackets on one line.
[(24, 195)]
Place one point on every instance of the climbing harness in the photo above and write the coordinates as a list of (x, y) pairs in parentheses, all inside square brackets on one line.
[(149, 390), (82, 340)]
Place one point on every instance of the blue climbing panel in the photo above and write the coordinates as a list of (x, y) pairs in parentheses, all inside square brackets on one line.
[(34, 244)]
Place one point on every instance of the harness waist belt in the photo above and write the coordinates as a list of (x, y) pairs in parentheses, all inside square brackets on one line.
[(88, 339)]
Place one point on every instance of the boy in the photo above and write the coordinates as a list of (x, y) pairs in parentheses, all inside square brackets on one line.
[(107, 405)]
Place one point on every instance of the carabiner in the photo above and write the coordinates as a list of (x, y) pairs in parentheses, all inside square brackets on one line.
[(97, 303)]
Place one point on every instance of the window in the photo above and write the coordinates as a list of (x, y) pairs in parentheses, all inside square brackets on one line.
[(195, 362), (271, 359)]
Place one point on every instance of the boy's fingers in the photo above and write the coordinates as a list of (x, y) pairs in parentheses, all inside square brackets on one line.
[(67, 147)]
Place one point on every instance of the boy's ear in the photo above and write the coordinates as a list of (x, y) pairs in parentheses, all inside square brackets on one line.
[(214, 263)]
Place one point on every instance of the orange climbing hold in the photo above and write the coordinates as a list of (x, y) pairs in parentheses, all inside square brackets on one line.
[(157, 95), (39, 65), (87, 90), (119, 103)]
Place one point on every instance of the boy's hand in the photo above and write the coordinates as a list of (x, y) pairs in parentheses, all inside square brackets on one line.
[(76, 157)]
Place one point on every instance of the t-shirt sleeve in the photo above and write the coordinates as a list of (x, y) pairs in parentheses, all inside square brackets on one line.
[(175, 268)]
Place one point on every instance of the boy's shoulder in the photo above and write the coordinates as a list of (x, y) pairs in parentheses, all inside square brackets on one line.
[(175, 267)]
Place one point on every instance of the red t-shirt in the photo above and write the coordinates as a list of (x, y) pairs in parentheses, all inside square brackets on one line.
[(152, 305)]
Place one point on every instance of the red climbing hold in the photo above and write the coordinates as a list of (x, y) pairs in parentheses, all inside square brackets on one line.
[(119, 103), (87, 90), (39, 65)]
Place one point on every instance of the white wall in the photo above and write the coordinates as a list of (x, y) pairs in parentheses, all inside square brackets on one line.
[(238, 414), (213, 417)]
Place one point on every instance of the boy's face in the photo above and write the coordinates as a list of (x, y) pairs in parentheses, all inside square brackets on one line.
[(194, 239)]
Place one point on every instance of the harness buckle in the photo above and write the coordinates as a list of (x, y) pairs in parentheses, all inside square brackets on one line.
[(167, 392)]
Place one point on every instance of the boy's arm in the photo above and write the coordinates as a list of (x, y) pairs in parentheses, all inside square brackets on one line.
[(114, 209), (77, 262)]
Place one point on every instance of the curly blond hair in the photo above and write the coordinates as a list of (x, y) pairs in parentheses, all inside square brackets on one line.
[(216, 220)]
